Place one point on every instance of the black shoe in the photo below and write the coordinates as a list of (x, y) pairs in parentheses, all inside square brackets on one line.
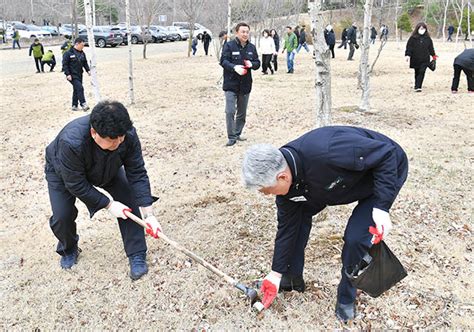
[(67, 261), (345, 312), (241, 139), (138, 266), (290, 283), (230, 142)]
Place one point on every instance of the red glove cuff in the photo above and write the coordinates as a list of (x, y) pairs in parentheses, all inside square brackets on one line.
[(435, 57), (150, 232), (377, 236)]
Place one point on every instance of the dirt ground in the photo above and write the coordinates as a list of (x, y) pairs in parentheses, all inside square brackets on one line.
[(179, 115)]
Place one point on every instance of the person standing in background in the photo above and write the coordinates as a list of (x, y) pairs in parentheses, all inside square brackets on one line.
[(276, 39), (267, 48)]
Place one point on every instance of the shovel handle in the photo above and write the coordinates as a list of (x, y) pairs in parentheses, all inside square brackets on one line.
[(185, 251)]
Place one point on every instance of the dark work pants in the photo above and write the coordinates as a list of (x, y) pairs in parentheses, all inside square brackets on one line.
[(351, 51), (457, 76), (331, 47), (206, 47), (77, 92), (419, 76), (63, 220), (266, 62), (39, 64), (343, 43), (51, 64), (235, 113), (357, 241)]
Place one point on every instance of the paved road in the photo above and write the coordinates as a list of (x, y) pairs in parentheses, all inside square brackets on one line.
[(17, 62)]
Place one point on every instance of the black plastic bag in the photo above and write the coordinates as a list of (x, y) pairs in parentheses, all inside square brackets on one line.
[(378, 271), (432, 65)]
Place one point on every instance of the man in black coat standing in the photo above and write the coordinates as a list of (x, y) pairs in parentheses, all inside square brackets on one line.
[(330, 38), (352, 40), (206, 40), (464, 62), (239, 58), (74, 63), (327, 166), (100, 150)]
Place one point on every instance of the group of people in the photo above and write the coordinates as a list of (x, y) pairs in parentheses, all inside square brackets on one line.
[(206, 41), (41, 57)]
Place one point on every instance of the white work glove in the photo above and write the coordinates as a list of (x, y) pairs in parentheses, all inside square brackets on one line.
[(118, 209), (247, 64), (239, 69), (383, 224), (153, 226), (270, 287)]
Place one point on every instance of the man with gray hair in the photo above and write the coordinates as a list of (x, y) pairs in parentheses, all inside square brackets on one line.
[(326, 166)]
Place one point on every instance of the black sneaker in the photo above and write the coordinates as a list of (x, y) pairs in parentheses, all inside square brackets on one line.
[(345, 312), (67, 261), (230, 142), (290, 283), (138, 266)]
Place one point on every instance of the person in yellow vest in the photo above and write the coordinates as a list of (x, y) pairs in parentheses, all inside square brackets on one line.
[(66, 45), (16, 38), (37, 50), (49, 59)]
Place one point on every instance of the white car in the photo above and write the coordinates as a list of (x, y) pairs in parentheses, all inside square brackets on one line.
[(198, 28), (28, 31), (183, 34)]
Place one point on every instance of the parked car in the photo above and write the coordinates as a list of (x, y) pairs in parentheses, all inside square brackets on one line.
[(182, 33), (28, 31), (164, 34), (138, 36), (68, 29), (51, 29), (122, 32), (103, 36), (157, 34), (198, 28)]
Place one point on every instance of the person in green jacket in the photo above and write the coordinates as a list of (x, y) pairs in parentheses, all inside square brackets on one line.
[(66, 45), (49, 59), (291, 44), (37, 50), (16, 38)]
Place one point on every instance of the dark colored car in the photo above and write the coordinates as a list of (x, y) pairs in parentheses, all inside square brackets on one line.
[(138, 36), (103, 36), (123, 33), (167, 35)]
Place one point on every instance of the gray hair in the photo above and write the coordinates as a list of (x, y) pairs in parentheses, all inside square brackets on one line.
[(261, 165)]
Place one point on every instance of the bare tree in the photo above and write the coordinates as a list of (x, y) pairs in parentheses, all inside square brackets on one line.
[(460, 17), (322, 60), (91, 40), (191, 10), (145, 12), (444, 19), (364, 73), (131, 95), (469, 9)]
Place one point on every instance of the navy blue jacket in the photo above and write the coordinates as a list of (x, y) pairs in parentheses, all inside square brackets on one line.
[(466, 59), (82, 164), (233, 54), (330, 37), (352, 35), (333, 166), (73, 62)]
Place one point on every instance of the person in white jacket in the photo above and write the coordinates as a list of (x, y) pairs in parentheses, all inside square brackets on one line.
[(267, 48)]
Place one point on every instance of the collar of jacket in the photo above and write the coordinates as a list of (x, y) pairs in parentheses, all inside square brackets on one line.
[(296, 167), (237, 40)]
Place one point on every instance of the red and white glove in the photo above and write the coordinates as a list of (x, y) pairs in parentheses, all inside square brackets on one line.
[(383, 225), (270, 287), (247, 64), (435, 57), (239, 69), (118, 209), (152, 226)]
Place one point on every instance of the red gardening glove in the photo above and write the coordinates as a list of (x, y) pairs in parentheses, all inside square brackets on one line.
[(247, 64), (435, 57), (269, 288), (152, 226), (377, 236)]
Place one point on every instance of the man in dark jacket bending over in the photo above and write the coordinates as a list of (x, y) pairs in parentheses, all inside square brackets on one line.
[(100, 150), (327, 166)]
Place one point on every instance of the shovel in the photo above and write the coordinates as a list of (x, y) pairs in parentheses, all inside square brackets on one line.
[(250, 293)]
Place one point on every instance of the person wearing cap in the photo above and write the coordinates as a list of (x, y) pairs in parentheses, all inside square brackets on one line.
[(37, 50), (74, 63), (334, 165), (239, 57), (100, 150)]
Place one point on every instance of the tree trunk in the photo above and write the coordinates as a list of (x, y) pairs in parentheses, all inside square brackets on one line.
[(469, 20), (229, 18), (461, 9), (74, 19), (131, 96), (396, 25), (444, 19), (90, 38), (322, 60), (364, 58)]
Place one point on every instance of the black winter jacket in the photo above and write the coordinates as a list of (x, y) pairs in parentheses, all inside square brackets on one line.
[(82, 164), (419, 48), (330, 37), (333, 166), (235, 54), (352, 35), (466, 59), (276, 39), (73, 62)]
